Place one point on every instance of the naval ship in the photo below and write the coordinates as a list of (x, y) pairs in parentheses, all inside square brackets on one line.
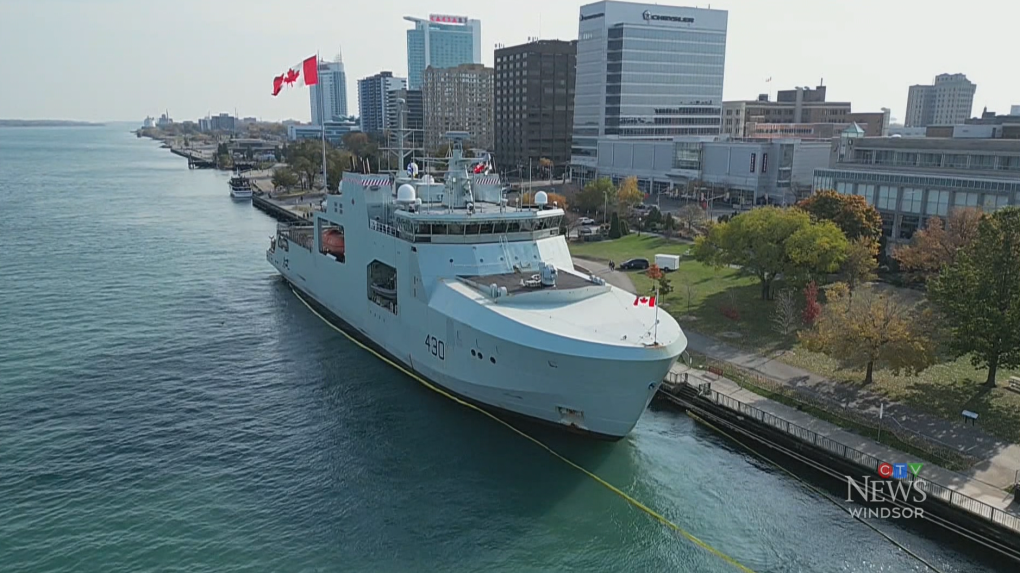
[(479, 297)]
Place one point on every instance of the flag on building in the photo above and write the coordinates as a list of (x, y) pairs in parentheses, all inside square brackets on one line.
[(304, 74), (768, 80), (644, 300)]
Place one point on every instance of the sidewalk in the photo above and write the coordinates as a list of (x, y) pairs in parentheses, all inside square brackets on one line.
[(1000, 460), (979, 490)]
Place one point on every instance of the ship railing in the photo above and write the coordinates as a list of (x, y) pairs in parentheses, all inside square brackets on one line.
[(382, 227)]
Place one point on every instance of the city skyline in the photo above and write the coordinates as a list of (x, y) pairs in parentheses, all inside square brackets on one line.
[(126, 61)]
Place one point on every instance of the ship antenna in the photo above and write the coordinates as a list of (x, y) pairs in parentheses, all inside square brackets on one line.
[(655, 332)]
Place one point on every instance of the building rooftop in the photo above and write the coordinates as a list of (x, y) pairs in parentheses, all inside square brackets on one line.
[(938, 144)]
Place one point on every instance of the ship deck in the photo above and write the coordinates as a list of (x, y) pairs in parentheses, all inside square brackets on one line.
[(514, 282)]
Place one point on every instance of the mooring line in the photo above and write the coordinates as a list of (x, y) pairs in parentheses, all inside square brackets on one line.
[(634, 502)]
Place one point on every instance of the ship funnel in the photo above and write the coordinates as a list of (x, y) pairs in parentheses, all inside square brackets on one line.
[(547, 273)]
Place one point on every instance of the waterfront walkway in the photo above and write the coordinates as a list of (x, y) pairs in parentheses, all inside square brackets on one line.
[(998, 460), (962, 483)]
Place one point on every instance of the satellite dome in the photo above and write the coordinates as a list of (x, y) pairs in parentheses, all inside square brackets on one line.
[(541, 199), (405, 193)]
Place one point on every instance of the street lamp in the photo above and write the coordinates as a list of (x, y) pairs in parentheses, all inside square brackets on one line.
[(725, 195)]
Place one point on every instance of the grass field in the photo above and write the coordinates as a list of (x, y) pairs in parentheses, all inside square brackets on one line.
[(700, 291)]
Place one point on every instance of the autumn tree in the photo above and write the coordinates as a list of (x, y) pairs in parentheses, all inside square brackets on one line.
[(851, 213), (979, 295), (938, 244), (812, 310), (770, 242), (872, 330), (595, 195), (546, 165), (861, 262), (629, 194)]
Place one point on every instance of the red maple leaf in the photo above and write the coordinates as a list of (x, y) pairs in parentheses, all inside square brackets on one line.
[(291, 77)]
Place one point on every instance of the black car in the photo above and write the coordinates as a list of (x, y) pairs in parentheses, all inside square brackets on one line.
[(635, 264)]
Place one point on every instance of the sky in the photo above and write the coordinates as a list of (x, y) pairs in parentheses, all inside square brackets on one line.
[(109, 60)]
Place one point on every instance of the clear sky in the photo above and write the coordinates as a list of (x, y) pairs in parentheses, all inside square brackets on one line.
[(126, 59)]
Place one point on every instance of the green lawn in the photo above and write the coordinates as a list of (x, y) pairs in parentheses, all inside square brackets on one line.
[(944, 390)]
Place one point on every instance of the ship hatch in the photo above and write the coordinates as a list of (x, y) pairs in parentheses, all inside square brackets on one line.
[(382, 285)]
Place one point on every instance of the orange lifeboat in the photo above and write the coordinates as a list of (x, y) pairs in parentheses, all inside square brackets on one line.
[(333, 243)]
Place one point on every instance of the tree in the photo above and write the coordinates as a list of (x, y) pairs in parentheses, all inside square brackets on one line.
[(669, 224), (690, 289), (938, 244), (979, 295), (546, 165), (306, 168), (872, 330), (784, 315), (851, 213), (283, 178), (595, 195), (337, 160), (770, 242), (692, 215), (665, 287), (812, 310), (629, 195), (654, 272), (861, 262), (614, 227), (653, 218), (553, 198)]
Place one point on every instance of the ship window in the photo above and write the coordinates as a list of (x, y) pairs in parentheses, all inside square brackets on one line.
[(488, 228), (471, 229), (513, 227), (455, 229)]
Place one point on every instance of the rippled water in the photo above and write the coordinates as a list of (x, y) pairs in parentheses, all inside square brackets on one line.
[(167, 405)]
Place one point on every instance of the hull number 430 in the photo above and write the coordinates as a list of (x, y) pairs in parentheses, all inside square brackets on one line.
[(436, 347)]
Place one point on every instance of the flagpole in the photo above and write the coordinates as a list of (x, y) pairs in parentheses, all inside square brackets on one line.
[(322, 123), (655, 335)]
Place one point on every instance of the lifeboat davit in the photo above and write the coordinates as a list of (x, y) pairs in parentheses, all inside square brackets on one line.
[(333, 243)]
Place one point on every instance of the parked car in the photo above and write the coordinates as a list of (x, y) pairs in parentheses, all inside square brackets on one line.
[(586, 221), (634, 264)]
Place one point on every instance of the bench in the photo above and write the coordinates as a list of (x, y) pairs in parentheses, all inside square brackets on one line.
[(1013, 384), (715, 370), (970, 416)]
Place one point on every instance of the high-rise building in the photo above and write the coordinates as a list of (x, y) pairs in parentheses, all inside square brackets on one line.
[(458, 99), (948, 101), (1014, 110), (373, 95), (534, 103), (331, 90), (646, 71), (441, 41)]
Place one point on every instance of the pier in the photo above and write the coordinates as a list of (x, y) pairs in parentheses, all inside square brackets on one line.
[(291, 209), (983, 512)]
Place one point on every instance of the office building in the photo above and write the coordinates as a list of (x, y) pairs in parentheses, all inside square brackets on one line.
[(912, 179), (373, 96), (458, 99), (441, 41), (534, 104), (645, 71), (335, 130), (779, 171), (801, 112), (948, 101), (329, 96), (1014, 110)]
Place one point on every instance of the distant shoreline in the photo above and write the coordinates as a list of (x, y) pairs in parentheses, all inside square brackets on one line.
[(46, 123)]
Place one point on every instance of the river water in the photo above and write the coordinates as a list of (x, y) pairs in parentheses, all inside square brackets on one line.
[(166, 404)]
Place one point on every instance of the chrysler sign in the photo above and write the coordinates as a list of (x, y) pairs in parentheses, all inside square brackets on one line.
[(660, 18)]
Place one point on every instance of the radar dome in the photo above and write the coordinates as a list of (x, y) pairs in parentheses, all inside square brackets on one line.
[(405, 193), (541, 199)]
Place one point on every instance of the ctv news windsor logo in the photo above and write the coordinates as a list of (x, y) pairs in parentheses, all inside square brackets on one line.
[(894, 488)]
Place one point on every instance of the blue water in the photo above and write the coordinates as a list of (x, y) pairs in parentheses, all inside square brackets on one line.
[(166, 404)]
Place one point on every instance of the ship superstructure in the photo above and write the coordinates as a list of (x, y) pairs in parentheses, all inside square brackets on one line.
[(480, 297)]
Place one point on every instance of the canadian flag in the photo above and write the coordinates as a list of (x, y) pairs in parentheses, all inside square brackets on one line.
[(644, 300), (304, 74)]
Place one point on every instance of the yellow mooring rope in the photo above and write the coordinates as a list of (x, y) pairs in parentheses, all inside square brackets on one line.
[(657, 516)]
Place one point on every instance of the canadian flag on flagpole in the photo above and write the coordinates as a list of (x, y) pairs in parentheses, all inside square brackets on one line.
[(644, 300), (304, 74)]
